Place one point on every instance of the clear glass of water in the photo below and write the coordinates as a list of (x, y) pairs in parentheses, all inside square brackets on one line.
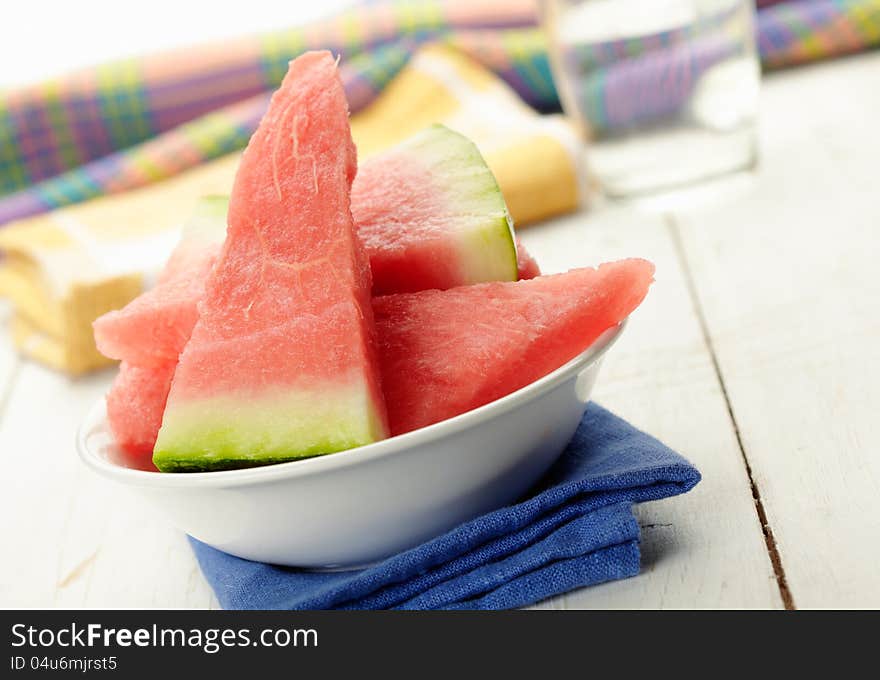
[(665, 90)]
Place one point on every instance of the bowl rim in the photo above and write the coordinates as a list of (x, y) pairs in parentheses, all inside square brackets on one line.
[(315, 465)]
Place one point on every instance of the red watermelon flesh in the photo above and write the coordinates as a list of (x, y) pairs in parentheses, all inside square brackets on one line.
[(431, 215), (154, 327), (135, 404), (526, 265), (281, 363), (446, 352)]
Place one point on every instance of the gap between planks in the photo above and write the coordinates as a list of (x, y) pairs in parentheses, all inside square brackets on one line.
[(769, 540)]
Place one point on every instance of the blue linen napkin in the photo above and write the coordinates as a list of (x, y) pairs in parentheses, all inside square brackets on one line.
[(575, 528)]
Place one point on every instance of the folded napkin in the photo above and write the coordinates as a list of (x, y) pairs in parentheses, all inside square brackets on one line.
[(65, 268), (575, 529)]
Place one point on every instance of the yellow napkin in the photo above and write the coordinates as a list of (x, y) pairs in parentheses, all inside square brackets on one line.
[(64, 269)]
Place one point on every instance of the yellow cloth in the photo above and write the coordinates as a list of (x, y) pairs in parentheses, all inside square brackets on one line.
[(64, 269)]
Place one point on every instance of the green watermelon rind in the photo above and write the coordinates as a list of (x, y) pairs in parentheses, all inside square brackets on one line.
[(200, 436)]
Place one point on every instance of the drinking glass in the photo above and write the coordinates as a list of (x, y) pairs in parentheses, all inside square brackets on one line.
[(665, 90)]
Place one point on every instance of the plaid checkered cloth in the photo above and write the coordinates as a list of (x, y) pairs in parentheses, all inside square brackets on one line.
[(57, 125), (149, 118)]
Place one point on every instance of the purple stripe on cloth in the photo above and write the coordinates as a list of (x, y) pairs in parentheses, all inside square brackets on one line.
[(84, 114), (174, 103), (649, 87), (22, 204), (174, 115), (247, 72)]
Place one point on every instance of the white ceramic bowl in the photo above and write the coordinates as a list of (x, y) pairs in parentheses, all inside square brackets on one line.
[(358, 506)]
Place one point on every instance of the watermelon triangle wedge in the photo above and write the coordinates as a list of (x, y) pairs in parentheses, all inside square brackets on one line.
[(444, 353), (282, 362)]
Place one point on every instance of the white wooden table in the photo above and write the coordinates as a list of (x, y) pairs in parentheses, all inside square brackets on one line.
[(756, 356)]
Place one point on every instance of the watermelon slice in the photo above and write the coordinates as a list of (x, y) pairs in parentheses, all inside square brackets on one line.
[(135, 404), (281, 363), (154, 327), (430, 215), (446, 352)]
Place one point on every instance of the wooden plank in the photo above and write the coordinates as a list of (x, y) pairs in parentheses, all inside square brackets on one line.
[(706, 548), (79, 540), (787, 279)]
